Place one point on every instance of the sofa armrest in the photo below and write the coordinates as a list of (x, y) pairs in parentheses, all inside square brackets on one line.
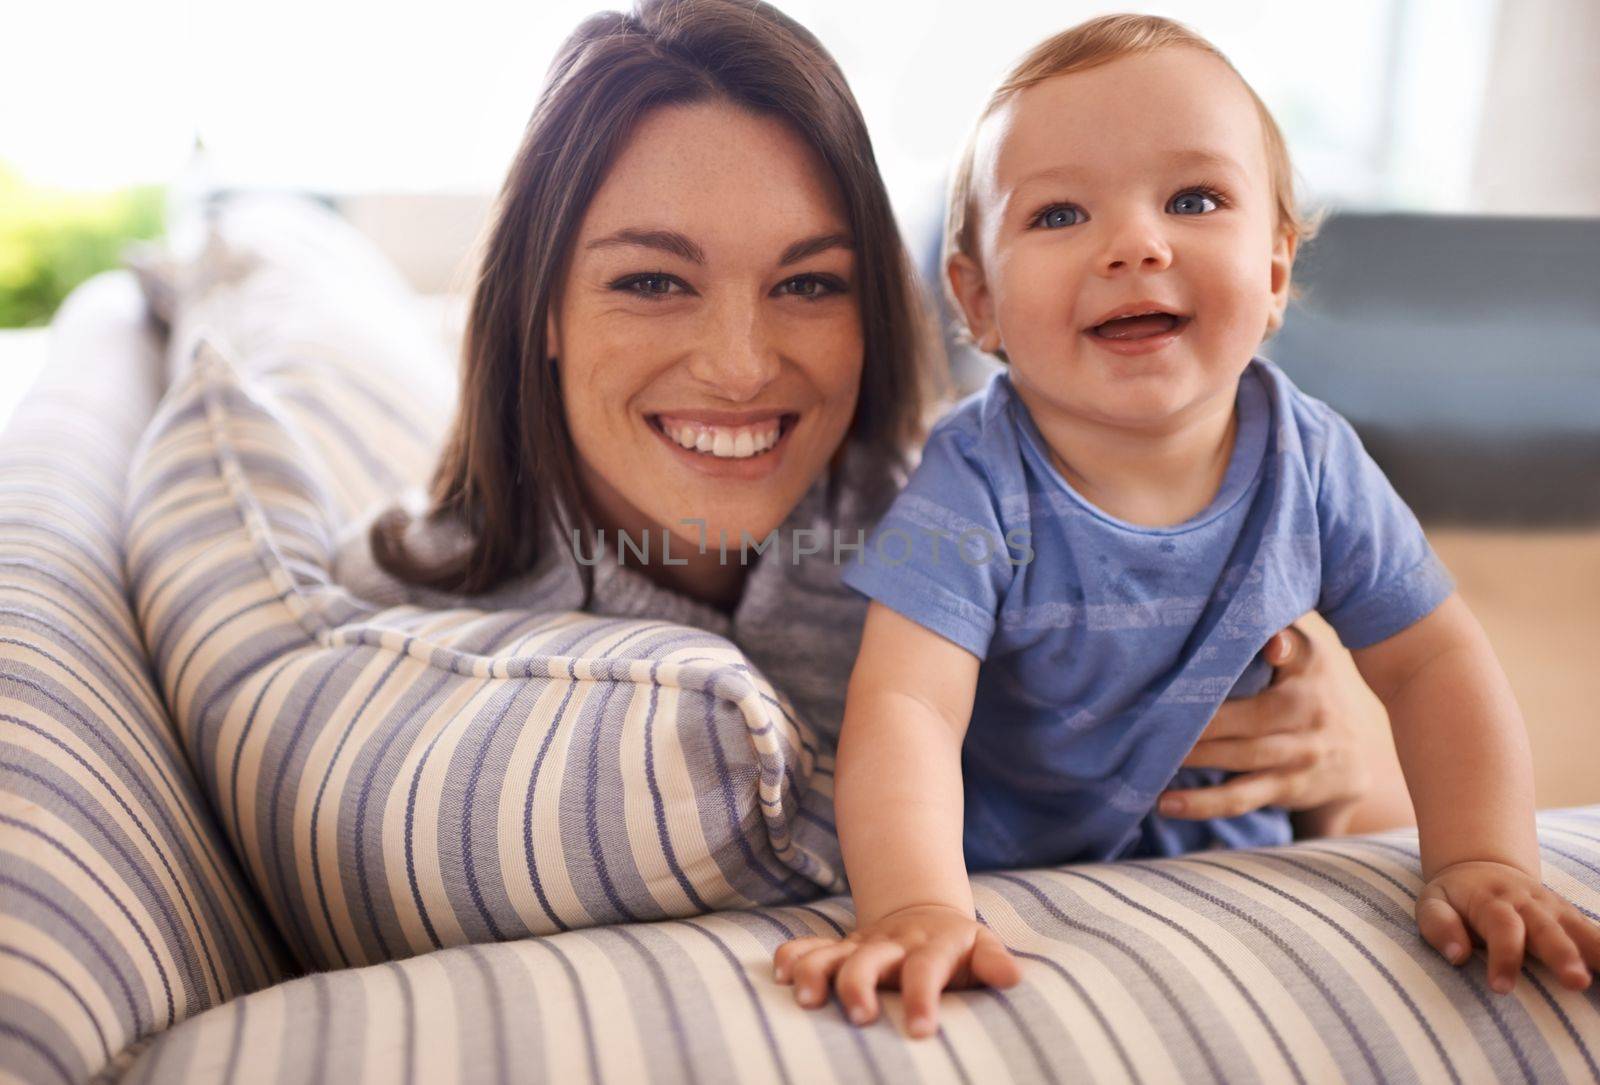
[(121, 910)]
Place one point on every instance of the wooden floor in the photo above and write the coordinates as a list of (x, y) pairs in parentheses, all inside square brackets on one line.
[(1538, 597)]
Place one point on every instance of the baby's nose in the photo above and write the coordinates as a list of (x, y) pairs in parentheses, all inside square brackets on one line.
[(1135, 245)]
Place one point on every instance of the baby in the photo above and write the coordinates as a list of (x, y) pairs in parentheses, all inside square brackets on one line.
[(1117, 524)]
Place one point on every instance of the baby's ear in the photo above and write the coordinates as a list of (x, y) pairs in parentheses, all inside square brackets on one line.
[(1282, 267), (971, 290)]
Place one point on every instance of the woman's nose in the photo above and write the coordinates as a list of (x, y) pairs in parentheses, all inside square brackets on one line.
[(1134, 243), (736, 357)]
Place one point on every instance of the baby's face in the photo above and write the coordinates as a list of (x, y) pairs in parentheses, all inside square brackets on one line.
[(1136, 185)]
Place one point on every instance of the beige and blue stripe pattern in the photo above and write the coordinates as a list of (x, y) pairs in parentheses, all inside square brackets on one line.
[(1298, 964), (403, 780), (121, 908)]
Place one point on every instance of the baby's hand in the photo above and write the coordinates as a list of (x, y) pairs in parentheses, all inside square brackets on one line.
[(1507, 909), (921, 950)]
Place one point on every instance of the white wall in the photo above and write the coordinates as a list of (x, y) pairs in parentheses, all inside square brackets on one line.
[(1539, 148), (1379, 98)]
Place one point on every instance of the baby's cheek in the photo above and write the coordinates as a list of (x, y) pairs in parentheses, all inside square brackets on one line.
[(1238, 299), (1243, 273), (1035, 311)]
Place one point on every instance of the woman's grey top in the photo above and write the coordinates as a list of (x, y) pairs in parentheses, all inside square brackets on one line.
[(796, 622)]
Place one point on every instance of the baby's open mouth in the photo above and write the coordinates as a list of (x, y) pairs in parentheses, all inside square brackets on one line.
[(1142, 326)]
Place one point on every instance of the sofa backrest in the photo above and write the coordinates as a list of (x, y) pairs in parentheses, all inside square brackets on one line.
[(1466, 351)]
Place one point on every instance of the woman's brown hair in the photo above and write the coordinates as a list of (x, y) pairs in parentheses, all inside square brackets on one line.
[(508, 473)]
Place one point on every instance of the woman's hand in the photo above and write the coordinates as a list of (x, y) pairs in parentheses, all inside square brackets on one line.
[(921, 950), (1508, 910), (1316, 740)]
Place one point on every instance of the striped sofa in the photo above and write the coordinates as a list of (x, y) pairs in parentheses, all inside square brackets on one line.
[(164, 918)]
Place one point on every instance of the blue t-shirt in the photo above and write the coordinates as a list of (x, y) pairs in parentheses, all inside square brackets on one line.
[(1106, 646)]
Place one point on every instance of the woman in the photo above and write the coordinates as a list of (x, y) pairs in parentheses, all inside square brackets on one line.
[(694, 324)]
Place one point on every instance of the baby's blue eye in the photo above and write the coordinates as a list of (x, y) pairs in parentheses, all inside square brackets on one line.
[(1057, 217), (1192, 203)]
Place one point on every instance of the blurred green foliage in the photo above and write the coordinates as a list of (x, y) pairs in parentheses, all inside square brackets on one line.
[(51, 240)]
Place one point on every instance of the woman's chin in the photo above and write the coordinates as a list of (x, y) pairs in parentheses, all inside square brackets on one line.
[(705, 529), (740, 520)]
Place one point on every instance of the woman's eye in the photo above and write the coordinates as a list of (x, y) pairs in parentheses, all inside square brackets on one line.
[(810, 286), (651, 286), (1194, 202), (1054, 218)]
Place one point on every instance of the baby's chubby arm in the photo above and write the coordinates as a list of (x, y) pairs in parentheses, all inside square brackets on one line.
[(898, 801), (1464, 751)]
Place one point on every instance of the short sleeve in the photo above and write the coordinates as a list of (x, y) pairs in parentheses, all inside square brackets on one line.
[(1379, 573), (939, 556)]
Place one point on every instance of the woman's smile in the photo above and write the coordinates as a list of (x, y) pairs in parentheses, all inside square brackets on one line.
[(745, 448)]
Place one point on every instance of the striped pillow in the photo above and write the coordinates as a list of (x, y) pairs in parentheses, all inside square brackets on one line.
[(400, 780)]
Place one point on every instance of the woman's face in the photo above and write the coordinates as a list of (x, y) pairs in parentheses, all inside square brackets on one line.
[(708, 333)]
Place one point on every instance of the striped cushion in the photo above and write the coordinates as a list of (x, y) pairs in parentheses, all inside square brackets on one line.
[(121, 908), (1286, 964), (400, 780)]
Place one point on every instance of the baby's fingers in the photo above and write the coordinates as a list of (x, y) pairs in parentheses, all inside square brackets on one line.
[(924, 976), (858, 978), (784, 957), (814, 971), (1585, 932), (992, 962), (1502, 929), (1442, 927), (1552, 945)]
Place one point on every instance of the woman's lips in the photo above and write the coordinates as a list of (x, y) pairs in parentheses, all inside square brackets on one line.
[(1146, 345), (748, 468)]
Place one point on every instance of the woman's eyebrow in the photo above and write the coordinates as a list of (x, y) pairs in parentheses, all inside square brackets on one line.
[(813, 245), (669, 241)]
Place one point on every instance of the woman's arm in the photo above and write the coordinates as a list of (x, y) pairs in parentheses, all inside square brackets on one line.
[(898, 801), (1360, 767), (1316, 741)]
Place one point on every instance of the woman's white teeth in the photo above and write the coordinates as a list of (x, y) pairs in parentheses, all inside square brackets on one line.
[(722, 442)]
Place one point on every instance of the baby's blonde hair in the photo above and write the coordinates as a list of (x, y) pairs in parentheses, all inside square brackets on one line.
[(1088, 45)]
